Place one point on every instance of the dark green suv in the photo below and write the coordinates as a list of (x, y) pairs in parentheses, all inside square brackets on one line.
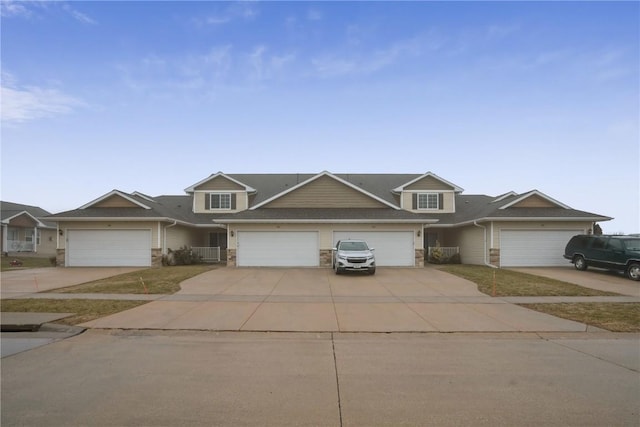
[(620, 253)]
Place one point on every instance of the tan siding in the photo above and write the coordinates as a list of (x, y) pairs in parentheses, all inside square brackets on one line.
[(428, 183), (219, 183), (23, 220), (180, 236), (470, 240), (47, 246), (115, 201), (325, 192), (534, 201)]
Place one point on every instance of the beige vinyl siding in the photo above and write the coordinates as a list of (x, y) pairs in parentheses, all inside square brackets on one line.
[(179, 236), (325, 231), (116, 201), (325, 192), (219, 184), (199, 201), (428, 183), (448, 201), (470, 240), (156, 236), (47, 244), (534, 201)]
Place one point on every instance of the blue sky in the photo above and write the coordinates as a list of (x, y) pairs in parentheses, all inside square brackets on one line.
[(156, 96)]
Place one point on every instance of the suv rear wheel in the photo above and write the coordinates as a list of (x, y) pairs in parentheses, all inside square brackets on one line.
[(633, 271), (580, 263)]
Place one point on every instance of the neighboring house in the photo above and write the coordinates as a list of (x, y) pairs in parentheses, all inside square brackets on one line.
[(296, 219), (24, 231)]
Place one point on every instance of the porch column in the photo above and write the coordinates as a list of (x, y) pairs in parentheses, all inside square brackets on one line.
[(35, 239), (5, 230)]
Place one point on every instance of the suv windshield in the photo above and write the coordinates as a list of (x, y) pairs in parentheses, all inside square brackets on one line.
[(353, 246)]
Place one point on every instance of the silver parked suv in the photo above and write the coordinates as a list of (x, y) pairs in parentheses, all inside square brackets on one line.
[(353, 255)]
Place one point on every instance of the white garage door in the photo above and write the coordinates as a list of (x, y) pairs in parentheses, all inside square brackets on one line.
[(278, 249), (534, 248), (392, 248), (108, 248)]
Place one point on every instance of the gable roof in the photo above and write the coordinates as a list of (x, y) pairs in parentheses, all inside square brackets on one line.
[(211, 177), (10, 210), (534, 193), (117, 194), (429, 175), (316, 177)]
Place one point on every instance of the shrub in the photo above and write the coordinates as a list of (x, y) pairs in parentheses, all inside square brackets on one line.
[(182, 256)]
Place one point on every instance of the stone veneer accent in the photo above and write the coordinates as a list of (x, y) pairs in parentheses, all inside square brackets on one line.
[(494, 256), (231, 257), (156, 257), (326, 257), (419, 258), (60, 257)]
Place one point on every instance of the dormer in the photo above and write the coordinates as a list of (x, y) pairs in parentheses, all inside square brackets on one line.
[(428, 193), (219, 193)]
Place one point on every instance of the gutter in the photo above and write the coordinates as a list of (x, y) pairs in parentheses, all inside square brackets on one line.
[(488, 264)]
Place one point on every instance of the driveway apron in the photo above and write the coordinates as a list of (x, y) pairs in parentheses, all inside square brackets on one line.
[(316, 300)]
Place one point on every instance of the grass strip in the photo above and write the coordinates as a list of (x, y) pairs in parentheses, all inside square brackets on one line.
[(509, 283), (156, 280), (85, 310), (615, 317), (27, 262)]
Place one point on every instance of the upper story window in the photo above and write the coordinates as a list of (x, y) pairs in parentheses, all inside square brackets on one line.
[(428, 201), (220, 201)]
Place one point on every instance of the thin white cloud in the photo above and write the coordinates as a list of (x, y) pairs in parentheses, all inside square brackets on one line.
[(28, 10), (23, 104), (9, 8), (244, 10), (332, 65), (77, 15)]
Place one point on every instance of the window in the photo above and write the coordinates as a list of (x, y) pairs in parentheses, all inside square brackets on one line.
[(428, 201), (28, 236), (220, 201)]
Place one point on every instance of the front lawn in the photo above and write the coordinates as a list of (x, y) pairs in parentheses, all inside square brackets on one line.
[(156, 280), (615, 317), (27, 262), (85, 310), (510, 283)]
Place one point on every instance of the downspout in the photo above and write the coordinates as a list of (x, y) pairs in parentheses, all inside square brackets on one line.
[(164, 239), (488, 264)]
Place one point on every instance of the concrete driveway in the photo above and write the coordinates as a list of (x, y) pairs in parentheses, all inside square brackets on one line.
[(594, 278), (16, 283), (316, 300)]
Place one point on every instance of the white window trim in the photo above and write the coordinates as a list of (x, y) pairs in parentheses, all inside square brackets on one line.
[(219, 196), (427, 208)]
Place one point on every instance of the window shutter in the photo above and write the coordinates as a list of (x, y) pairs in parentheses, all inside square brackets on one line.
[(207, 201), (415, 201), (440, 201), (233, 201)]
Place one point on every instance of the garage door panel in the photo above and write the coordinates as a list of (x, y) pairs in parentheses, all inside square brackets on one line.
[(278, 249), (534, 248), (109, 248), (392, 248)]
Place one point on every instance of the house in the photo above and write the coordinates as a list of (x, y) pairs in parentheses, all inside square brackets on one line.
[(24, 230), (296, 219)]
